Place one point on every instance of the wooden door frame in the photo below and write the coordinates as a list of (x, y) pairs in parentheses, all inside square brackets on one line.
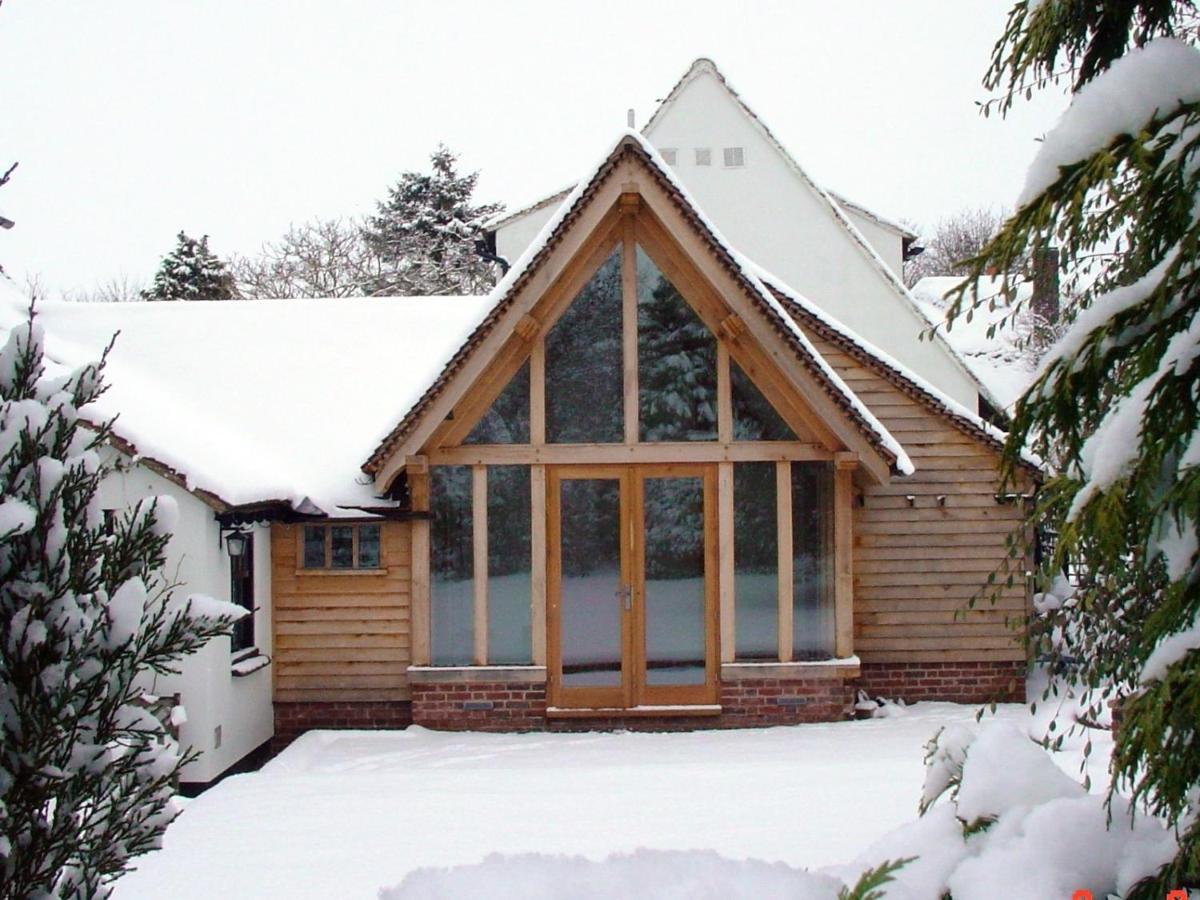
[(633, 690), (557, 693)]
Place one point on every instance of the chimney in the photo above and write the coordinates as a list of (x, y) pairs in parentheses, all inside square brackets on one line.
[(629, 118), (1045, 283)]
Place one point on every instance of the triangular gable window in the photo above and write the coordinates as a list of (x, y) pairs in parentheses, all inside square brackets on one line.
[(507, 420), (754, 418), (584, 364), (677, 362)]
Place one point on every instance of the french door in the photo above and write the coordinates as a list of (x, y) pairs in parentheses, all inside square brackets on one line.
[(631, 579)]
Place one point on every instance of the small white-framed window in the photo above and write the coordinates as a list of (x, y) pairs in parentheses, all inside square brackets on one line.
[(669, 155), (735, 157), (703, 156)]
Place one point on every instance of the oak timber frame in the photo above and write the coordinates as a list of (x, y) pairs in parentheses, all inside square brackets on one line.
[(631, 210)]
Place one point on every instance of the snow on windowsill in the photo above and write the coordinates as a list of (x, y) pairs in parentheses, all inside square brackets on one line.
[(250, 663)]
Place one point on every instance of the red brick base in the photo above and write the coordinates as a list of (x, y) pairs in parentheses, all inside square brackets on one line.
[(957, 682), (745, 703), (480, 706), (293, 719)]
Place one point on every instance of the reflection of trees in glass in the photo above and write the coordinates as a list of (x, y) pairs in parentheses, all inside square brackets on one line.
[(507, 420), (451, 566), (677, 362), (674, 527), (756, 560), (584, 383), (754, 418), (591, 510), (509, 565), (812, 543)]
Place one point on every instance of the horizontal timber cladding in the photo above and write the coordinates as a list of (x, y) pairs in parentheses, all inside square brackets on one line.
[(925, 545), (341, 636)]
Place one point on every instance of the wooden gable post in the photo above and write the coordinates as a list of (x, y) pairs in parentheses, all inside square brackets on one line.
[(417, 470), (845, 465)]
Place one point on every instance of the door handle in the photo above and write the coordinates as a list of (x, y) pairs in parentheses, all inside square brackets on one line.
[(626, 595)]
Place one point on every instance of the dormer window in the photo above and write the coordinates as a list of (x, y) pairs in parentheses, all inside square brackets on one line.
[(703, 156), (735, 157)]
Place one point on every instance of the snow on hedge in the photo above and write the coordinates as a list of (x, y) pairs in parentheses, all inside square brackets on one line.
[(662, 874)]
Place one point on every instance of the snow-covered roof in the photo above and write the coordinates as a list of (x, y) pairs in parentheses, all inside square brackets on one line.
[(890, 224), (997, 361), (552, 232), (259, 400), (811, 315)]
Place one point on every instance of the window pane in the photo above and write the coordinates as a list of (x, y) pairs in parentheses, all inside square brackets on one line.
[(754, 418), (314, 546), (756, 561), (341, 546), (241, 592), (368, 546), (452, 582), (591, 582), (812, 546), (584, 371), (507, 421), (675, 628), (510, 578), (677, 363)]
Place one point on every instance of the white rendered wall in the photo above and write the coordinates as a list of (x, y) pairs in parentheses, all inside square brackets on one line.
[(768, 213), (514, 237), (213, 697), (888, 244)]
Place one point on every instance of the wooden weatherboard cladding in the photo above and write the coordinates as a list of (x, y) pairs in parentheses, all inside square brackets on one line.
[(341, 635), (917, 562)]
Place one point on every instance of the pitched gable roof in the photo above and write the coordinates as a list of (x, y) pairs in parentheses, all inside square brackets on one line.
[(809, 316), (631, 145)]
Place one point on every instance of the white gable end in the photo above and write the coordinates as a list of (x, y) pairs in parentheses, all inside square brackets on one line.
[(774, 215)]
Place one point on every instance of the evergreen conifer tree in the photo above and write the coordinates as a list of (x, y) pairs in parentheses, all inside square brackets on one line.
[(192, 272), (1116, 406), (424, 233), (86, 618)]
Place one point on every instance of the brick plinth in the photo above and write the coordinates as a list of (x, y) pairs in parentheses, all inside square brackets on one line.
[(755, 702), (293, 719), (480, 705), (957, 682)]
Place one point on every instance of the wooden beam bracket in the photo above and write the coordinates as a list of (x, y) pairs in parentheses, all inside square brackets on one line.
[(731, 328), (527, 327), (631, 201)]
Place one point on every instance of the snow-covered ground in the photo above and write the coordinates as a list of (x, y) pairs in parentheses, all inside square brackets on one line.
[(343, 814)]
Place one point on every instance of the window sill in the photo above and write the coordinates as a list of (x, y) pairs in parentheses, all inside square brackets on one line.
[(476, 674), (806, 670), (249, 662), (341, 572), (632, 712)]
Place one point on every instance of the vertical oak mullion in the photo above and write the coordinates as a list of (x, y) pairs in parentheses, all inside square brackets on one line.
[(629, 330), (537, 547), (537, 392), (726, 591), (724, 395), (480, 547), (783, 511), (843, 557)]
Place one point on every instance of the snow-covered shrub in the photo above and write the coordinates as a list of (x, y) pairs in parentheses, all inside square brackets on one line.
[(649, 874), (86, 771), (1000, 818)]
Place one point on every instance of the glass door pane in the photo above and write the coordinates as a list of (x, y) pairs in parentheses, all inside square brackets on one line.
[(591, 596), (675, 580)]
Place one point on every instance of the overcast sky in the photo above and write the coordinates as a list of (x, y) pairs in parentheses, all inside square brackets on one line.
[(135, 119)]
